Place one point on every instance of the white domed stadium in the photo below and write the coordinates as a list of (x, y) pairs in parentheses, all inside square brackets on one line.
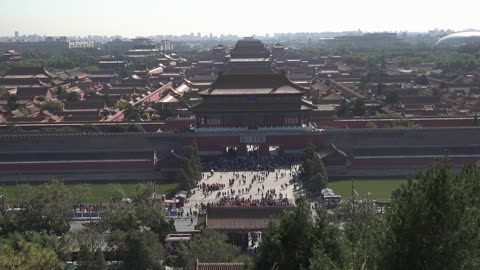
[(459, 39)]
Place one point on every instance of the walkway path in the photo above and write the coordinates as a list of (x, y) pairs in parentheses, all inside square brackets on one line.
[(279, 180)]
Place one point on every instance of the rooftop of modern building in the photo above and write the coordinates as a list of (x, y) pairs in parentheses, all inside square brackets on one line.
[(460, 38)]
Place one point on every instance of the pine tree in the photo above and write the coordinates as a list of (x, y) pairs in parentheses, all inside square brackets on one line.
[(433, 223), (314, 172), (295, 241), (191, 167), (99, 263), (85, 258), (182, 179)]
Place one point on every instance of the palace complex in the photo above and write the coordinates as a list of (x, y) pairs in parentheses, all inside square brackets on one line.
[(251, 110)]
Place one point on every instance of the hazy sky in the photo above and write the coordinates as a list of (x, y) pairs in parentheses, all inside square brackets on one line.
[(243, 17)]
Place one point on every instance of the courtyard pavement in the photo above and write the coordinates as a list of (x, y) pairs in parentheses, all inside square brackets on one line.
[(279, 180)]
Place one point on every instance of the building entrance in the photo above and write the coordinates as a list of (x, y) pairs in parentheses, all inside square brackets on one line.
[(274, 150), (252, 150), (232, 151)]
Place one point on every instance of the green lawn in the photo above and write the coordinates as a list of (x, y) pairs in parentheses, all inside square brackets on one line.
[(99, 193), (380, 190)]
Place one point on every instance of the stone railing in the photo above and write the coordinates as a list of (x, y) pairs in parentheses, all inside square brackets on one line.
[(221, 129)]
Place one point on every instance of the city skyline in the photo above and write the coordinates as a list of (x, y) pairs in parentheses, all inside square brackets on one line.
[(150, 18)]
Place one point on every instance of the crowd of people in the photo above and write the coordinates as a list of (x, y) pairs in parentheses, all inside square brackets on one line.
[(88, 208), (252, 164), (210, 188), (235, 179), (247, 202)]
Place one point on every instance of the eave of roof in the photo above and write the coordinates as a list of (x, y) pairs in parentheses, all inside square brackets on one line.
[(268, 83)]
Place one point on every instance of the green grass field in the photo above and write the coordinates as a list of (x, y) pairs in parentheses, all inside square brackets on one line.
[(99, 193), (380, 190)]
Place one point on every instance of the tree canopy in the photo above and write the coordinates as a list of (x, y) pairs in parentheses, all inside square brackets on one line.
[(137, 228), (295, 241), (433, 222), (42, 209), (29, 256), (191, 170), (353, 108), (12, 103), (73, 97), (52, 106), (314, 173), (208, 247)]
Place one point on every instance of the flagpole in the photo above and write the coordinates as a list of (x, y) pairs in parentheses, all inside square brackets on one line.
[(353, 213), (155, 159), (353, 192)]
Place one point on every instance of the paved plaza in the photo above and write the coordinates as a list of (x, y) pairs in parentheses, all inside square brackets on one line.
[(250, 186)]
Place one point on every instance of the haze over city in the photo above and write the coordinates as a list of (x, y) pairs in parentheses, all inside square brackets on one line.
[(239, 135), (149, 17)]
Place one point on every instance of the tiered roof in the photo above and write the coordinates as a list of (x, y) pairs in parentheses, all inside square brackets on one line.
[(31, 92), (252, 84), (254, 107), (242, 218), (249, 82), (26, 76), (29, 72), (249, 48)]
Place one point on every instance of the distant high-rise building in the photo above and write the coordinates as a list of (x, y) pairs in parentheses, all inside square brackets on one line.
[(16, 34), (81, 44), (166, 45), (123, 46), (369, 40)]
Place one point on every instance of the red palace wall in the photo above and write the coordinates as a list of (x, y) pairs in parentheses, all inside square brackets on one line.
[(408, 161), (213, 143), (61, 166), (286, 142), (295, 142), (168, 125), (386, 123), (259, 121)]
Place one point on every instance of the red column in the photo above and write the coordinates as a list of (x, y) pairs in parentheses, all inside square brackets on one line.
[(242, 150)]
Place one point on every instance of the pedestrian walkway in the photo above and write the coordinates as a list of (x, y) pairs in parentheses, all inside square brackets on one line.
[(244, 187)]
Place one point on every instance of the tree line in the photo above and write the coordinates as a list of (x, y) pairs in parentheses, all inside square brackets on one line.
[(191, 169), (431, 223), (36, 235)]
